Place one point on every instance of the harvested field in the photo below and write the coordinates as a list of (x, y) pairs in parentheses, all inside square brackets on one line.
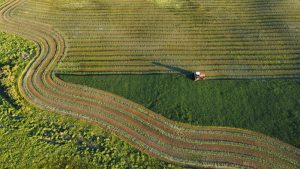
[(235, 39), (46, 23)]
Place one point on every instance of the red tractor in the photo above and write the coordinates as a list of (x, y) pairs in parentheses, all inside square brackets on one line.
[(198, 76)]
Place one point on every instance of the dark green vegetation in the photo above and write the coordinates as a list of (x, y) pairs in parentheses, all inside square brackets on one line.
[(268, 106), (31, 138)]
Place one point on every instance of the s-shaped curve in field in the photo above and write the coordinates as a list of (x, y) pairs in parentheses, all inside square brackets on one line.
[(183, 144)]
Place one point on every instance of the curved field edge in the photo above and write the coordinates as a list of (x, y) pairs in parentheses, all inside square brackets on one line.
[(175, 142), (232, 103), (37, 139)]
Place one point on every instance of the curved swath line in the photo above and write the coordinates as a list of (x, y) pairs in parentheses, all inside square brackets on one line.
[(152, 133)]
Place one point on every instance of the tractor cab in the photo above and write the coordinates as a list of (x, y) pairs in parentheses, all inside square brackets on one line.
[(198, 76)]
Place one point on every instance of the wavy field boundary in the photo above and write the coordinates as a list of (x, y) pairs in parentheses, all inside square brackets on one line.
[(196, 146)]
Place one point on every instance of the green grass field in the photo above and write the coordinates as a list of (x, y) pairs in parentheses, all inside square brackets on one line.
[(32, 138), (267, 106)]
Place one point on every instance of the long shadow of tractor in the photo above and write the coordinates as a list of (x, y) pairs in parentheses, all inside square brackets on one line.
[(195, 75)]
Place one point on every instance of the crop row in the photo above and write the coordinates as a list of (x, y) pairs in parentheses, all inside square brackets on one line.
[(192, 47), (178, 62), (130, 12), (214, 22)]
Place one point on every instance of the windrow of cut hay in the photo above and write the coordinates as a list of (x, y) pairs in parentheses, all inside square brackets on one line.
[(167, 140)]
